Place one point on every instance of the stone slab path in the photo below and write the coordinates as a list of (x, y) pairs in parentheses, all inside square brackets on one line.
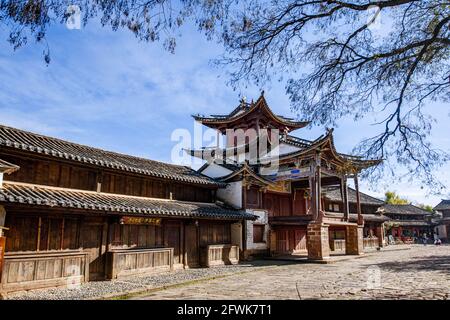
[(404, 272)]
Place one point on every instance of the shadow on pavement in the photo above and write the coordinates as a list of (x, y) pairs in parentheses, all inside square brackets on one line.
[(431, 263)]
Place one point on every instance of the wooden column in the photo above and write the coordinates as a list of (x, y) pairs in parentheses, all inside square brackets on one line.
[(358, 201), (2, 238), (313, 190), (344, 191), (244, 195), (319, 185)]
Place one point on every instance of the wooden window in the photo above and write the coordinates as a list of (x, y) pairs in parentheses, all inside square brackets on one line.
[(253, 196), (258, 233)]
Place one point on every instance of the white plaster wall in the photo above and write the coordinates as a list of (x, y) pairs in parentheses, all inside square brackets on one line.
[(236, 234), (263, 218), (232, 194), (441, 231), (215, 171)]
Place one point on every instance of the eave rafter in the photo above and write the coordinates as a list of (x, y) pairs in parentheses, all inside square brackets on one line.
[(8, 168)]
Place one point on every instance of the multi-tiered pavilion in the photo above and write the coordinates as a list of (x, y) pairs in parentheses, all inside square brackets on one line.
[(269, 170)]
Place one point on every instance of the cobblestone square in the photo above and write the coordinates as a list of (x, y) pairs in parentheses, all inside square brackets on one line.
[(403, 272), (396, 272)]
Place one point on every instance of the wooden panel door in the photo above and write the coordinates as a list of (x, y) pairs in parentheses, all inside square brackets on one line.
[(300, 240), (91, 241), (282, 237), (191, 245), (172, 239)]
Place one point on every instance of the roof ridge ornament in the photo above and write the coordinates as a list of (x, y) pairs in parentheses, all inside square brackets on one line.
[(243, 101)]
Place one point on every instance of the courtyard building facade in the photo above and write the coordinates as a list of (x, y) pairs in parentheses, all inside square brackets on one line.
[(408, 223), (443, 223), (71, 213), (298, 188)]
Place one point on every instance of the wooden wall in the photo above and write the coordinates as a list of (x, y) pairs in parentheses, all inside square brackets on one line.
[(253, 198), (41, 233), (278, 204), (135, 236), (68, 175), (51, 232), (365, 208), (214, 233)]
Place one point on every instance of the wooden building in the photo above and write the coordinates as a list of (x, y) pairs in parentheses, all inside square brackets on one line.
[(373, 231), (407, 223), (72, 213), (283, 180), (443, 227)]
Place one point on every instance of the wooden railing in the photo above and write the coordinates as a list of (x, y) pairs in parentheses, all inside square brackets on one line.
[(128, 262), (219, 254), (337, 245), (25, 271), (371, 242)]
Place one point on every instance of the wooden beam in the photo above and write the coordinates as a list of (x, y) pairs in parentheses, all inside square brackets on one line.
[(358, 201), (345, 197)]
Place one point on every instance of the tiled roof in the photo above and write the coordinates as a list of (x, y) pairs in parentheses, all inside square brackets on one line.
[(369, 217), (295, 141), (443, 205), (31, 142), (245, 109), (334, 194), (403, 209), (410, 223), (14, 192)]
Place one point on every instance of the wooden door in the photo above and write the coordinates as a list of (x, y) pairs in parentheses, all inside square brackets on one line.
[(282, 237), (291, 240), (172, 240), (191, 245), (91, 241), (300, 240)]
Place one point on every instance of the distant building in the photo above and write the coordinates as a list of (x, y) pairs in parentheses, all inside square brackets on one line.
[(443, 228), (72, 213), (304, 205), (407, 221)]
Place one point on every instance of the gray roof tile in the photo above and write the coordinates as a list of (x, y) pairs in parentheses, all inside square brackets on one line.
[(14, 192), (35, 143)]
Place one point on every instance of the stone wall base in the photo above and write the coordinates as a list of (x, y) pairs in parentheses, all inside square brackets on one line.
[(317, 241), (252, 254), (354, 244)]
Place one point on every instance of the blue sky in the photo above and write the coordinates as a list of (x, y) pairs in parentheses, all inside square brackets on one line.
[(106, 89)]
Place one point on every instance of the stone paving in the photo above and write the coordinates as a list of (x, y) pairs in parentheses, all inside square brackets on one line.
[(103, 289), (399, 272)]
